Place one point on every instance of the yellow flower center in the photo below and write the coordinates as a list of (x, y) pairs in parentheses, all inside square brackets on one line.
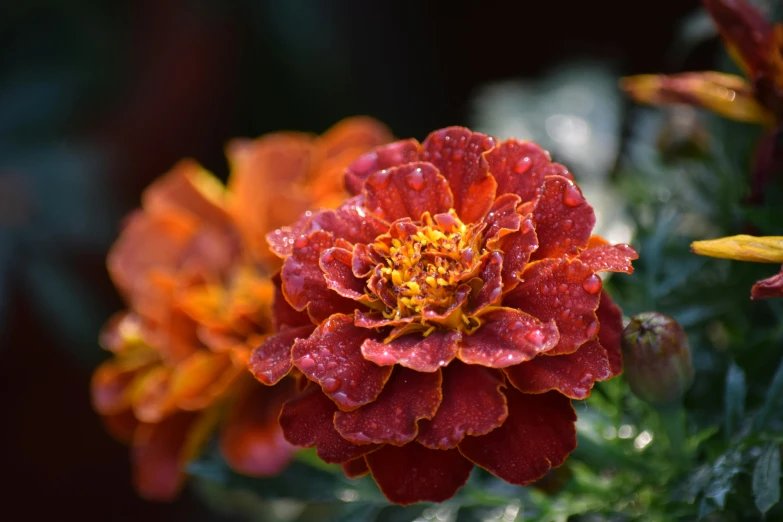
[(427, 266)]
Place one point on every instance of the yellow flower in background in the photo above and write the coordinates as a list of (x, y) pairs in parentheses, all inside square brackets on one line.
[(767, 249)]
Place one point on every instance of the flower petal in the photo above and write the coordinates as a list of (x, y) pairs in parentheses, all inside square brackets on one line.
[(391, 155), (423, 354), (564, 291), (520, 168), (507, 337), (304, 286), (765, 249), (121, 426), (332, 357), (563, 219), (251, 440), (190, 188), (283, 313), (157, 456), (407, 191), (201, 378), (610, 335), (517, 248), (336, 266), (491, 285), (393, 417), (307, 420), (538, 434), (502, 219), (111, 383), (413, 473), (356, 468), (726, 94), (472, 405), (458, 154), (573, 375), (611, 258), (271, 361), (770, 287), (150, 395), (351, 221)]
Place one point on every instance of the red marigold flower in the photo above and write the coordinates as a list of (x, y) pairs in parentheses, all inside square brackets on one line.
[(195, 272), (457, 310)]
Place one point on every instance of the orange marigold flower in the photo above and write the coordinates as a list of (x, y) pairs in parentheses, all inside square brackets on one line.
[(200, 298), (453, 310)]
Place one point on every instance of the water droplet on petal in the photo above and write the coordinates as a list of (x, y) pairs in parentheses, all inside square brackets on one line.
[(415, 179), (571, 196), (331, 384), (300, 242), (523, 165), (592, 284), (305, 363), (568, 224), (536, 337), (592, 330)]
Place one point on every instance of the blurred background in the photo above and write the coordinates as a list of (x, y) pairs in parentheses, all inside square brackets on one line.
[(98, 98)]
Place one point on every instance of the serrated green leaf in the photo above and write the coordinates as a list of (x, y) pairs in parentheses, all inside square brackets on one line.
[(733, 399), (773, 399), (766, 478)]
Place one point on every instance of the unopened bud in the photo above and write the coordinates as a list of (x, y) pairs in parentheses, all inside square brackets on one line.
[(658, 363)]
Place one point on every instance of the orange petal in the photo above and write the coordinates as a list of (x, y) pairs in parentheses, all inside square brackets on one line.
[(111, 383), (201, 378), (189, 188), (150, 394), (252, 441), (726, 94)]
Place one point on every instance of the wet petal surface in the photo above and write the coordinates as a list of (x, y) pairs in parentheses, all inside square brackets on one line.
[(423, 354), (271, 361), (407, 191)]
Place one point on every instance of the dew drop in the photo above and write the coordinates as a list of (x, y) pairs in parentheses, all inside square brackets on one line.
[(568, 224), (458, 154), (331, 384), (415, 179), (571, 196), (536, 337), (300, 242), (523, 165), (305, 363), (592, 330), (592, 284)]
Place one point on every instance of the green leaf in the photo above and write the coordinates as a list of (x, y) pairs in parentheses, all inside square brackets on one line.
[(734, 399), (766, 478), (773, 399)]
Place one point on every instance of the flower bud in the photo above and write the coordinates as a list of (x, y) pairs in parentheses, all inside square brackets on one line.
[(658, 363)]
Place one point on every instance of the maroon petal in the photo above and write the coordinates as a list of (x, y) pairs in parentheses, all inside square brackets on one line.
[(304, 286), (271, 361), (423, 354), (393, 417), (281, 241), (407, 191), (336, 266), (458, 154), (609, 258), (413, 473), (520, 167), (517, 249), (610, 335), (573, 375), (351, 222), (507, 337), (564, 291), (355, 468), (502, 220), (770, 287), (377, 320), (332, 357), (563, 219), (391, 155), (538, 434), (283, 313), (307, 420), (472, 405), (491, 285), (363, 261)]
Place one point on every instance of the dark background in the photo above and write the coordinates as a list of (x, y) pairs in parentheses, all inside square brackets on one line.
[(98, 98)]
